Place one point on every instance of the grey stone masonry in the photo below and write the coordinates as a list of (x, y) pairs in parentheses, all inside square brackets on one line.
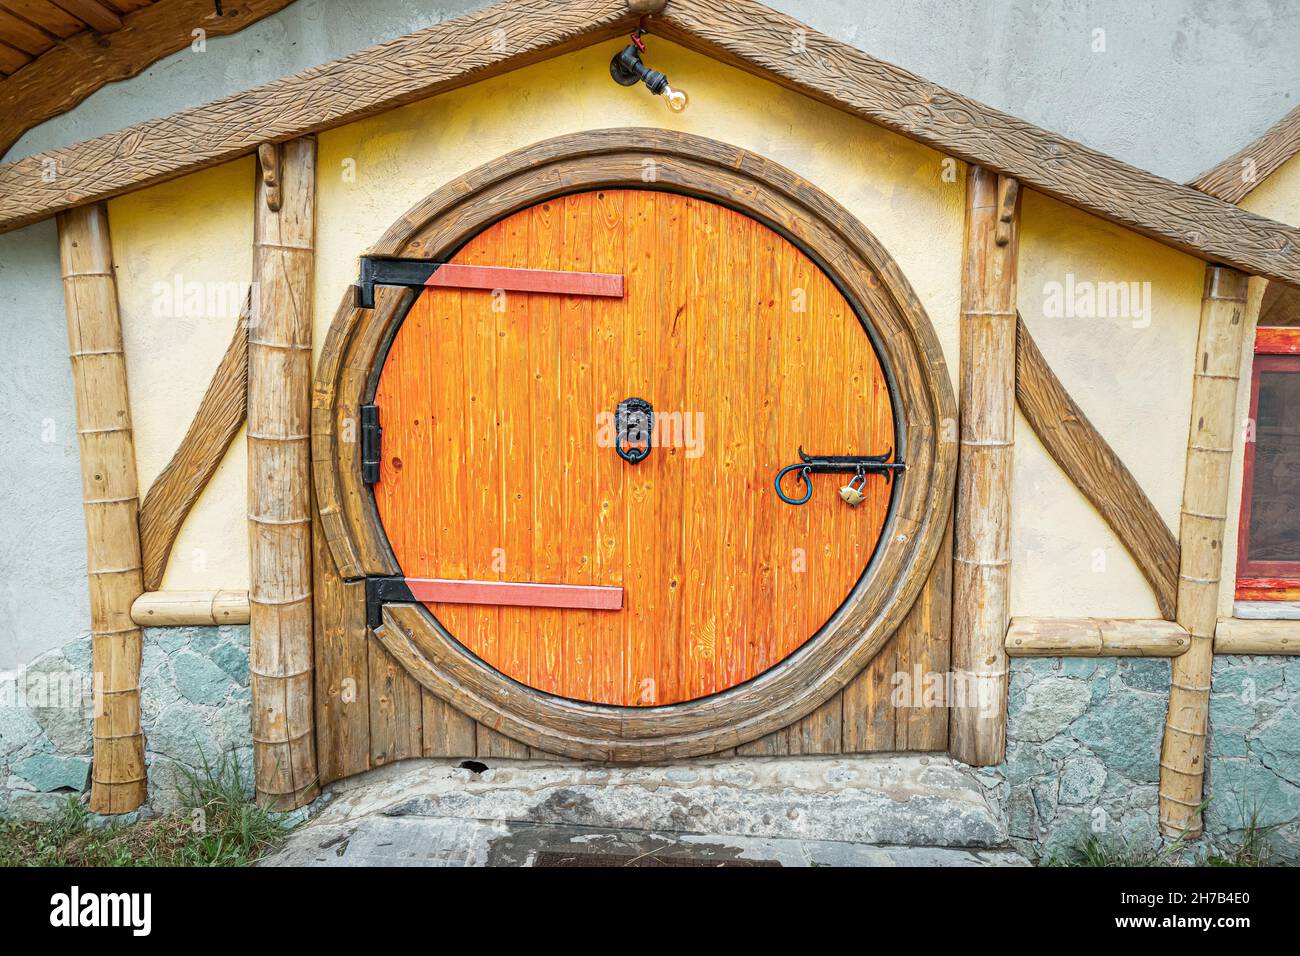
[(195, 709)]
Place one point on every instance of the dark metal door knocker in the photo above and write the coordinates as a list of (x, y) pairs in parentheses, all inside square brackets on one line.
[(634, 421), (858, 465)]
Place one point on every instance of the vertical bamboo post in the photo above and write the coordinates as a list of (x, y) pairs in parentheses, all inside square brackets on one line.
[(1205, 503), (982, 549), (279, 480), (110, 495)]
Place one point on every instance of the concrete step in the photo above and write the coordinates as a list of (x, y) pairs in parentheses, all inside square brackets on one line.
[(885, 808)]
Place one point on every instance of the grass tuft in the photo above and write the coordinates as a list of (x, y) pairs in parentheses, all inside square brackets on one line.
[(215, 825)]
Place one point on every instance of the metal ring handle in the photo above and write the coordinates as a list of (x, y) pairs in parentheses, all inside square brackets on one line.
[(804, 472), (632, 456)]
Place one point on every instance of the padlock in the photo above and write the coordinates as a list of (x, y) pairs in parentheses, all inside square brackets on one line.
[(852, 493)]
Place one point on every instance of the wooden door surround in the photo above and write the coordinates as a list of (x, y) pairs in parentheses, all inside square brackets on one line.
[(857, 267)]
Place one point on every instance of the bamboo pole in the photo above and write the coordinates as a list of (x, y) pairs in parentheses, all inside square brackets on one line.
[(1205, 502), (279, 483), (1236, 636), (982, 549), (111, 498), (190, 608)]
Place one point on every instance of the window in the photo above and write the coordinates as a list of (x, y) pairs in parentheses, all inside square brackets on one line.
[(1268, 549)]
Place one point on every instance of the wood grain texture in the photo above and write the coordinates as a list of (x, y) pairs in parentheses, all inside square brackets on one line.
[(707, 483), (982, 552), (178, 486), (69, 72), (1205, 502), (388, 75), (110, 498), (1094, 468), (1233, 636), (190, 608), (1234, 177), (791, 689), (279, 485), (1094, 637), (748, 34)]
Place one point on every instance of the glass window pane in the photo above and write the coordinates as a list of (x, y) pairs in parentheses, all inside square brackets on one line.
[(1275, 486)]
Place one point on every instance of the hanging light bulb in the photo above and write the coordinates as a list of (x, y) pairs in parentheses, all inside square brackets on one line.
[(676, 99), (627, 70)]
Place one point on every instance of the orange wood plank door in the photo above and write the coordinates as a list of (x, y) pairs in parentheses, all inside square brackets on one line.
[(497, 464)]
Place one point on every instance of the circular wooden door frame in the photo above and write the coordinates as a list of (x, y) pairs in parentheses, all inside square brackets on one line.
[(856, 262)]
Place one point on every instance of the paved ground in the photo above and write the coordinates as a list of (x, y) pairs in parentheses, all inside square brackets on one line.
[(879, 810)]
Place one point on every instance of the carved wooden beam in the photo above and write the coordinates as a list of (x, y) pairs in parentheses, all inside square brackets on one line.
[(1094, 637), (749, 35), (179, 485), (190, 608), (1096, 470), (1245, 169), (279, 484), (442, 57), (982, 556), (1205, 504), (63, 76), (108, 481)]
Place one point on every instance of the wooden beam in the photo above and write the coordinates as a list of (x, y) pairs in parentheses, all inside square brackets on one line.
[(440, 58), (1094, 468), (109, 491), (279, 485), (64, 76), (1205, 503), (1235, 636), (1094, 637), (93, 14), (190, 608), (749, 35), (987, 391), (1245, 169), (178, 486)]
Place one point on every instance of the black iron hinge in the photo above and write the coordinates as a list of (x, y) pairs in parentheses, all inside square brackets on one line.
[(381, 591), (372, 437), (382, 270)]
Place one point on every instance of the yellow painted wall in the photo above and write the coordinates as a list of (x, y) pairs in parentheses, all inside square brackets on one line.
[(1132, 376), (191, 236), (1134, 383)]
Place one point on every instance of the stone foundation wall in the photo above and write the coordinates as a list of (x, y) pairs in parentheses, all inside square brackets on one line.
[(195, 702), (1083, 754)]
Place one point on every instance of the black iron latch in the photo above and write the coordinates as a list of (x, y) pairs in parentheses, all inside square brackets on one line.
[(383, 590), (372, 436), (857, 465)]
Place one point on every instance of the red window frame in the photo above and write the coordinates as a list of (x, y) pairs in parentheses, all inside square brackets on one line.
[(1276, 350)]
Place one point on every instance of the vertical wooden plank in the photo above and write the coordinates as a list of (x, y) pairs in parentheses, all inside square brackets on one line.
[(609, 631), (446, 731), (279, 481), (578, 491), (775, 744), (342, 668), (769, 296), (494, 744), (515, 430), (110, 497), (670, 470), (643, 535), (981, 610), (396, 709), (546, 241), (1205, 504), (927, 635), (821, 731)]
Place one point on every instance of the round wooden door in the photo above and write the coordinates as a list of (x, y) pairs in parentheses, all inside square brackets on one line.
[(498, 465)]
